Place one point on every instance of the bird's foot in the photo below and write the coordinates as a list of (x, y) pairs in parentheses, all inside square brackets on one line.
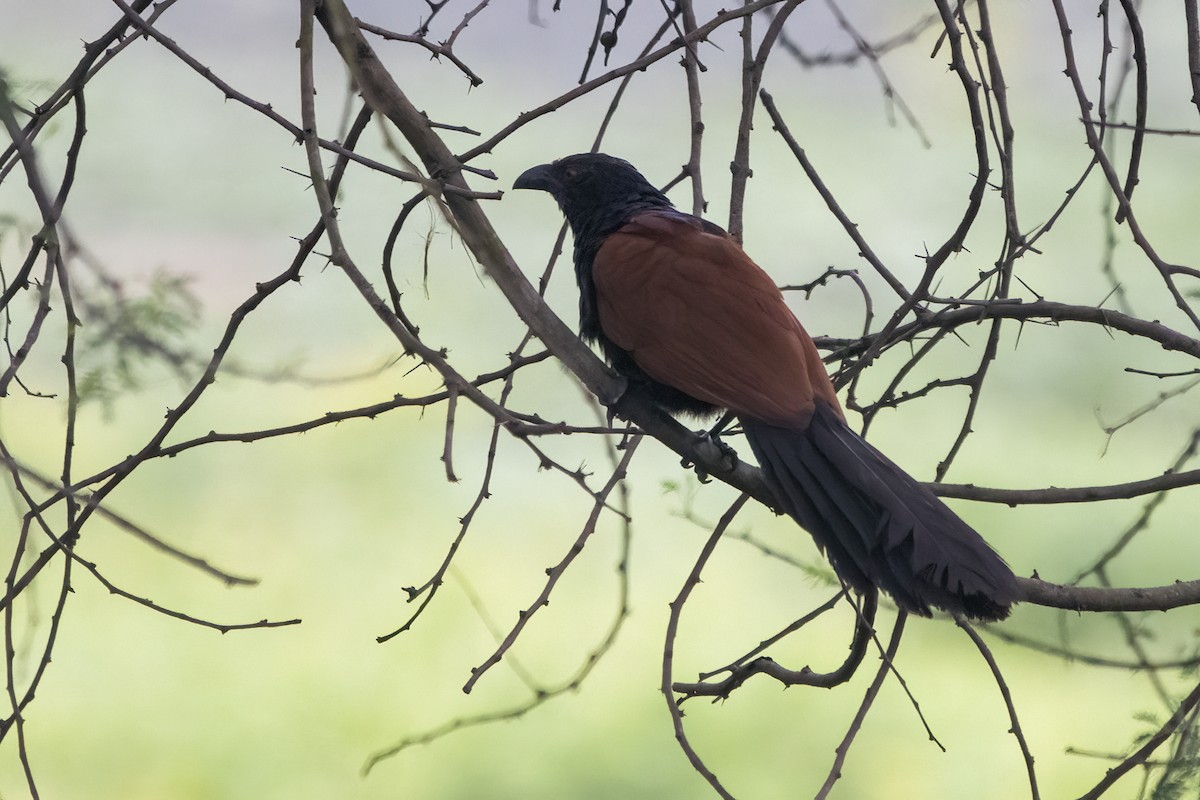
[(726, 454), (729, 456)]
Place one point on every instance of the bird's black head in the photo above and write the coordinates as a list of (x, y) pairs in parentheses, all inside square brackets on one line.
[(596, 192)]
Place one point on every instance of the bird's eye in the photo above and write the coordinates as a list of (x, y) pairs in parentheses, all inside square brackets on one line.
[(572, 173)]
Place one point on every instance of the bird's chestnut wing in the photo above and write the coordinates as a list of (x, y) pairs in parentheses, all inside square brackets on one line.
[(697, 314)]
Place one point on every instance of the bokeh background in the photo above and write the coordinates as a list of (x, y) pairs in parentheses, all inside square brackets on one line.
[(176, 179)]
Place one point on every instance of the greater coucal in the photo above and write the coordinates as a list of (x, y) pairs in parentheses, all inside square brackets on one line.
[(681, 311)]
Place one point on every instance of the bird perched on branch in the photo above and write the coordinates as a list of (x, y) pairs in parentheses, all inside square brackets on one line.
[(681, 311)]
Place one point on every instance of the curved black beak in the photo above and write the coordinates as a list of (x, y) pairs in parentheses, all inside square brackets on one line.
[(540, 177)]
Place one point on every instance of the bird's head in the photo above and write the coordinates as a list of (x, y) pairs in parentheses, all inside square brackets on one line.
[(596, 192)]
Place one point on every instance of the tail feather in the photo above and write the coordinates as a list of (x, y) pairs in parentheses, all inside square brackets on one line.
[(878, 526)]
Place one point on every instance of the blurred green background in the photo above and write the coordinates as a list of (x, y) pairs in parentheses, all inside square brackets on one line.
[(336, 522)]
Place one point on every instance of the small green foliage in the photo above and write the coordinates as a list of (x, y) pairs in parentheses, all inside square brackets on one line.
[(1181, 773), (1175, 764), (123, 335)]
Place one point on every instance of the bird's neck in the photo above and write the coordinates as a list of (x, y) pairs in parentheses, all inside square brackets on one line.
[(592, 225)]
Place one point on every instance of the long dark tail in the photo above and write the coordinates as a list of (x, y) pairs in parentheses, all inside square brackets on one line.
[(877, 525)]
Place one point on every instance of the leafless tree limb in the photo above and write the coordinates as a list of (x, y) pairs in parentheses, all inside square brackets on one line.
[(977, 272)]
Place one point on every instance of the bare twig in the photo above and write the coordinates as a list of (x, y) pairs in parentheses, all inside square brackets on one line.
[(1006, 694), (1191, 12), (843, 748), (556, 572), (668, 660)]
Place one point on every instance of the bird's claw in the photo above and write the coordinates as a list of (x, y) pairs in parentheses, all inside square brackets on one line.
[(728, 456), (701, 473)]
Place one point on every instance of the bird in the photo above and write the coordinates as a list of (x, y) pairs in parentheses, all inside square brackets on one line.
[(676, 306)]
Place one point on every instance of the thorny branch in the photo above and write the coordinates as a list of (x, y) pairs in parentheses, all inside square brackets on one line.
[(48, 291)]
